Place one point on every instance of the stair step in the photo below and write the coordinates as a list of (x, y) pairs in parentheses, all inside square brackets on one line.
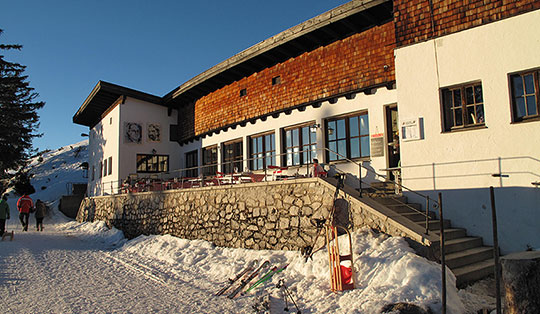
[(473, 272), (452, 233), (415, 216), (469, 256), (391, 200), (405, 208), (461, 244), (383, 185), (435, 224)]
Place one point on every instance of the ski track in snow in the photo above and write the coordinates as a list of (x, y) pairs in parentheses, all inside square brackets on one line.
[(54, 273)]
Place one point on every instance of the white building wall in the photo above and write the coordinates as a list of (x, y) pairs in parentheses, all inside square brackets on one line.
[(461, 164), (374, 104), (107, 139), (103, 143), (143, 113)]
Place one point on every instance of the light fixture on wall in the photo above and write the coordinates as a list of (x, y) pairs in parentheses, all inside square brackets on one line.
[(154, 151), (314, 127)]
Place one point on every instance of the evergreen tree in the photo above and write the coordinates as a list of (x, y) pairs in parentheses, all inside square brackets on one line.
[(18, 112)]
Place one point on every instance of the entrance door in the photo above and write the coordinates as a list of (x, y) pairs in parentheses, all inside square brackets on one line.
[(392, 137)]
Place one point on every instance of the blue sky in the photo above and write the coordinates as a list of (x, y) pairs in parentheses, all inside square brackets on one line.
[(151, 46)]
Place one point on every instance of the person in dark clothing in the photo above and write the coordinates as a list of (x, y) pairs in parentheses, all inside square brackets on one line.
[(41, 211), (4, 214)]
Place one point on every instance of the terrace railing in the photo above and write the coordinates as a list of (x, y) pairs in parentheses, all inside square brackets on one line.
[(208, 176)]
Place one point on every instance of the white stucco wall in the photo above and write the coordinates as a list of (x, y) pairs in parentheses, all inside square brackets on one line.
[(103, 143), (374, 104), (107, 140), (461, 164), (134, 110)]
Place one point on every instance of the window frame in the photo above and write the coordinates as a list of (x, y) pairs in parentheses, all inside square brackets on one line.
[(209, 164), (268, 156), (513, 106), (348, 138), (110, 165), (304, 156), (235, 160), (191, 160), (463, 107), (161, 163), (105, 164)]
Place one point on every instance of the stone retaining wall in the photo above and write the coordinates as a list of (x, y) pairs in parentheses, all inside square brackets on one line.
[(270, 215)]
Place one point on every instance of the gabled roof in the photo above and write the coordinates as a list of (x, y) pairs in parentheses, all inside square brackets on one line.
[(102, 97), (348, 19)]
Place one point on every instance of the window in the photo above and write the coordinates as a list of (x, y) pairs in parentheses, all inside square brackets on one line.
[(105, 168), (232, 156), (210, 160), (93, 173), (300, 144), (100, 169), (276, 80), (463, 106), (152, 163), (348, 137), (243, 92), (192, 163), (262, 150), (525, 95), (110, 165)]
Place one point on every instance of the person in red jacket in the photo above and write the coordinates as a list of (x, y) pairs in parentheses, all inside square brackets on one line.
[(24, 205)]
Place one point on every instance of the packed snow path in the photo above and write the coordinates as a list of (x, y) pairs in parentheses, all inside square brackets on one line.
[(51, 272)]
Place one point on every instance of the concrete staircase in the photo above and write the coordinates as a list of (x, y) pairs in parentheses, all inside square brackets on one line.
[(466, 256)]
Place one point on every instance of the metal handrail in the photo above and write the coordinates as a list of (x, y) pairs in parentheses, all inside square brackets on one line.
[(426, 197)]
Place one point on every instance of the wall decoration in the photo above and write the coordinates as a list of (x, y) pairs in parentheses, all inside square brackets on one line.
[(154, 132), (132, 133)]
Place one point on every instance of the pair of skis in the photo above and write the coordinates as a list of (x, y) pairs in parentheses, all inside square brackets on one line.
[(266, 277), (246, 276), (245, 281), (231, 281)]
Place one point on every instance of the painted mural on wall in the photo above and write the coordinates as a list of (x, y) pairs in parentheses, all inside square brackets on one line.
[(132, 133), (153, 132)]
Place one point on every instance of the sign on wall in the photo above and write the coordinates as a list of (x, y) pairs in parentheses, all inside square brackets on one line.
[(132, 133), (377, 145), (153, 131), (412, 129)]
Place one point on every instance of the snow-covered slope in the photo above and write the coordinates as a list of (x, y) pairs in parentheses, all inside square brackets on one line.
[(53, 172)]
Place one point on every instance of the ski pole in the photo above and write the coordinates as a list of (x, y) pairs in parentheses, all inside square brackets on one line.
[(308, 251), (280, 284)]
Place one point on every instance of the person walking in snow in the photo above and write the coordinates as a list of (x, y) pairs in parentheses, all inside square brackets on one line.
[(41, 210), (24, 205), (4, 213)]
